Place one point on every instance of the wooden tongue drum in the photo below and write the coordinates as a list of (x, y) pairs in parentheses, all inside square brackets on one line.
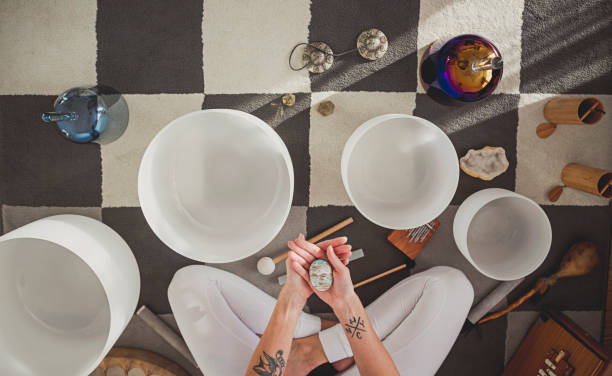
[(581, 259), (587, 179)]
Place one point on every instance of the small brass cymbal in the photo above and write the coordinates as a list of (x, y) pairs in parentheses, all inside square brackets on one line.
[(317, 57), (372, 44)]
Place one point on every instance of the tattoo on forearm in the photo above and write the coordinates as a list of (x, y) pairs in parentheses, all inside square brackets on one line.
[(271, 366), (355, 327)]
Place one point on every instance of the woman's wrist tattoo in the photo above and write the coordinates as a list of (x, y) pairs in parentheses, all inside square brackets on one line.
[(270, 366), (355, 327)]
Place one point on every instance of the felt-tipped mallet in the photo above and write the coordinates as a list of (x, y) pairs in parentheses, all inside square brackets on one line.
[(266, 265)]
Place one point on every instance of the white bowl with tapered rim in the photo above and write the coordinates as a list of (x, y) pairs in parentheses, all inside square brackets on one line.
[(216, 185), (505, 235), (400, 171), (69, 285)]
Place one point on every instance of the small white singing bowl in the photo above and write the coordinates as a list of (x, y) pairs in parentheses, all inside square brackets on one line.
[(506, 236), (216, 185), (400, 171)]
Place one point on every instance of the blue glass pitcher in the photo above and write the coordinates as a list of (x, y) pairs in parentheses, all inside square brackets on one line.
[(81, 114)]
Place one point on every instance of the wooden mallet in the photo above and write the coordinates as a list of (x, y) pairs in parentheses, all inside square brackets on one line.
[(266, 265), (581, 259)]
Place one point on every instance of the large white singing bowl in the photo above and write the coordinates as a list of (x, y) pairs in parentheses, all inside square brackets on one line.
[(68, 288), (216, 185), (506, 236), (400, 171)]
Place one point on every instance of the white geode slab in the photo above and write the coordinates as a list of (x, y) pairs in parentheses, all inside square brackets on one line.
[(486, 163)]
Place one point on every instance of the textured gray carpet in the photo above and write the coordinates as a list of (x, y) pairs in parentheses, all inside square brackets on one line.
[(168, 60)]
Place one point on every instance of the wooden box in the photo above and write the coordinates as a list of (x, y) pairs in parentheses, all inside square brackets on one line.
[(549, 336)]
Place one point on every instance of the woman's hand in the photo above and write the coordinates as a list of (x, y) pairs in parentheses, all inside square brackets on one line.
[(342, 290), (297, 288)]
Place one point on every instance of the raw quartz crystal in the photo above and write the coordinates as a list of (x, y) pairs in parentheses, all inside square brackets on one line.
[(485, 163), (321, 275)]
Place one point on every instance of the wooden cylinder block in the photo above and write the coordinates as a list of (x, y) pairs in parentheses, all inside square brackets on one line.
[(588, 179), (586, 111)]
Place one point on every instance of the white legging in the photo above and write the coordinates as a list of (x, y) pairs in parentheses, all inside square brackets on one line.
[(219, 314)]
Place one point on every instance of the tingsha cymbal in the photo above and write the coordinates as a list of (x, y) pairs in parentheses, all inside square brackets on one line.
[(317, 57), (372, 44)]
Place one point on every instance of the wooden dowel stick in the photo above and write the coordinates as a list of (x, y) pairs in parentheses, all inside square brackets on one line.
[(605, 187), (316, 238), (589, 111), (371, 279)]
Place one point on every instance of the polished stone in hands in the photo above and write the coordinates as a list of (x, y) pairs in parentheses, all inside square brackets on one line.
[(321, 275)]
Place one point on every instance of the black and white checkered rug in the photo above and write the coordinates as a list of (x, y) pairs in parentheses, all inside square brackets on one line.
[(169, 58)]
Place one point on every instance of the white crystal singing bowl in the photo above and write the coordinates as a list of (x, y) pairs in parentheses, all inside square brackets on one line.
[(216, 185), (68, 286), (400, 171), (505, 235)]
